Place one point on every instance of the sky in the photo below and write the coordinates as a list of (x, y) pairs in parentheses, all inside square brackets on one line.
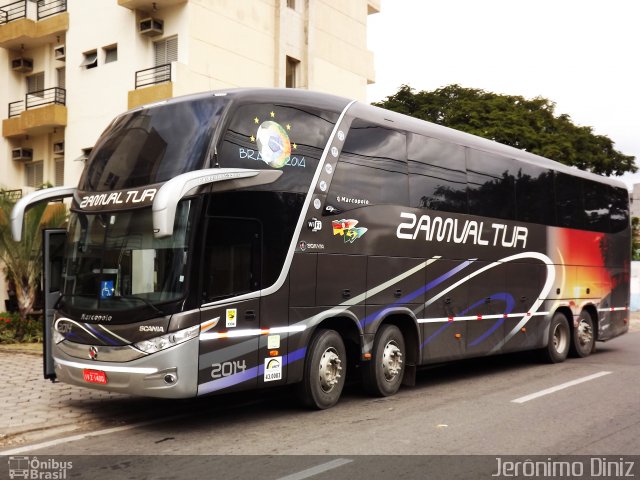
[(584, 55)]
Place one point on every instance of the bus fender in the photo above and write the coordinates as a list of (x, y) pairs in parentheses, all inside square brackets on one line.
[(345, 322)]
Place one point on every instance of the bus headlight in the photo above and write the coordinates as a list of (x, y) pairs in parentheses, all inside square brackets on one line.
[(156, 344)]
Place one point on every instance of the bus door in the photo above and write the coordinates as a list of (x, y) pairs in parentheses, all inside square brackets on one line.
[(53, 240), (231, 267)]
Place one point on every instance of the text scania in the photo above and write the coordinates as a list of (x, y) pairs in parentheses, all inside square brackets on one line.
[(467, 231)]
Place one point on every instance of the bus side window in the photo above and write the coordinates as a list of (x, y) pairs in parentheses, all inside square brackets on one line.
[(372, 169), (534, 198), (597, 205), (569, 205), (437, 178), (619, 209), (490, 185)]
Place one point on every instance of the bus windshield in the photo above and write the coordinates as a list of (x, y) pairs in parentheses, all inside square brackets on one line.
[(114, 263), (152, 145)]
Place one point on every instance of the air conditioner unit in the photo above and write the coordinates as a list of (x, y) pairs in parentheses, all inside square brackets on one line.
[(58, 148), (151, 26), (22, 154), (22, 64), (59, 53)]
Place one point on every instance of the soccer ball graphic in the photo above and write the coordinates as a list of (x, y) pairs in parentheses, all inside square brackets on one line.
[(273, 144)]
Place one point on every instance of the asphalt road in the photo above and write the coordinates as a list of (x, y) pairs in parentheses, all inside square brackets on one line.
[(499, 406)]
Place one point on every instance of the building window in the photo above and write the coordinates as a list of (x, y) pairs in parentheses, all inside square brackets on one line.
[(59, 172), (292, 72), (90, 59), (35, 83), (33, 174), (291, 4), (110, 53), (61, 74), (166, 51)]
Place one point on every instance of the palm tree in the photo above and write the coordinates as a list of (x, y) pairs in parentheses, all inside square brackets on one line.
[(23, 260)]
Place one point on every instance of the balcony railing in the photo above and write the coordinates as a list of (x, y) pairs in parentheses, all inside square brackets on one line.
[(16, 108), (12, 195), (17, 10), (153, 76), (55, 95), (51, 7), (13, 11)]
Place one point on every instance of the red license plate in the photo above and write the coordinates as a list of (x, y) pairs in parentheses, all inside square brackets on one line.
[(94, 376)]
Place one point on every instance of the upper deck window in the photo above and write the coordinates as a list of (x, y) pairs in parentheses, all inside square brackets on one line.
[(152, 145), (372, 169), (279, 137)]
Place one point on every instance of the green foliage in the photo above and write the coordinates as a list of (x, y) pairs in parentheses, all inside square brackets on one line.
[(527, 124), (635, 238), (14, 330), (23, 260)]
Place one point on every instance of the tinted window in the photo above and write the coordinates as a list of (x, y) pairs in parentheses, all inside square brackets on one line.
[(152, 145), (491, 185), (281, 137), (239, 220), (619, 209), (437, 174), (569, 206), (372, 169), (534, 195), (597, 206)]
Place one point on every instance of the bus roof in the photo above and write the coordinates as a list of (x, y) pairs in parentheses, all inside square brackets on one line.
[(396, 120)]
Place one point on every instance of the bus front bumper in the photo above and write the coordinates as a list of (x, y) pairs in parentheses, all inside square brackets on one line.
[(170, 373)]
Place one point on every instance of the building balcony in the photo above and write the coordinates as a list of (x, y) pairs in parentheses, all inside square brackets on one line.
[(152, 85), (149, 5), (40, 112), (25, 25)]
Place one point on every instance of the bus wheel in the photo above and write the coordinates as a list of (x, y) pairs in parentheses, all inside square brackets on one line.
[(583, 339), (383, 375), (557, 348), (324, 370)]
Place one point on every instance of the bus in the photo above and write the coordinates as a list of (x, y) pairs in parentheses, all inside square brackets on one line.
[(255, 238)]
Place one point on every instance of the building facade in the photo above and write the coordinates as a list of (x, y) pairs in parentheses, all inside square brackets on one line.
[(67, 67)]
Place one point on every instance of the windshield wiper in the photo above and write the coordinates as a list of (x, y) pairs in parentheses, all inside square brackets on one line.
[(145, 301)]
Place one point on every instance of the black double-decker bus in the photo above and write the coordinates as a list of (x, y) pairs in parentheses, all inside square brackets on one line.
[(259, 237)]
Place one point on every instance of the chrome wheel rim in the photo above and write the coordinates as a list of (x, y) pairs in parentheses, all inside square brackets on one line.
[(330, 368), (391, 361), (559, 339), (584, 333)]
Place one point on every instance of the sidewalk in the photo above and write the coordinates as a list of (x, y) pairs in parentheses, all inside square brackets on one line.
[(34, 409)]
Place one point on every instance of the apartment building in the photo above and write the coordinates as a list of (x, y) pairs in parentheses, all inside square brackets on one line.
[(67, 67)]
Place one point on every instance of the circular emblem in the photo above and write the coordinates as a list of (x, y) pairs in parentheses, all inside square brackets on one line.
[(328, 168), (334, 151), (341, 135), (273, 144), (323, 185), (302, 245), (317, 203), (93, 352)]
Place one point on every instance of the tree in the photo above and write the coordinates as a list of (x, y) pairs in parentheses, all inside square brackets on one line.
[(635, 238), (528, 124), (23, 260)]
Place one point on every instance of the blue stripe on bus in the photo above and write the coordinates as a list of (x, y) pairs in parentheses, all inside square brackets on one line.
[(506, 297), (420, 291), (237, 378)]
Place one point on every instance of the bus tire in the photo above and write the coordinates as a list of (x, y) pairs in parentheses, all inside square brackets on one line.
[(583, 339), (325, 370), (557, 347), (382, 375)]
